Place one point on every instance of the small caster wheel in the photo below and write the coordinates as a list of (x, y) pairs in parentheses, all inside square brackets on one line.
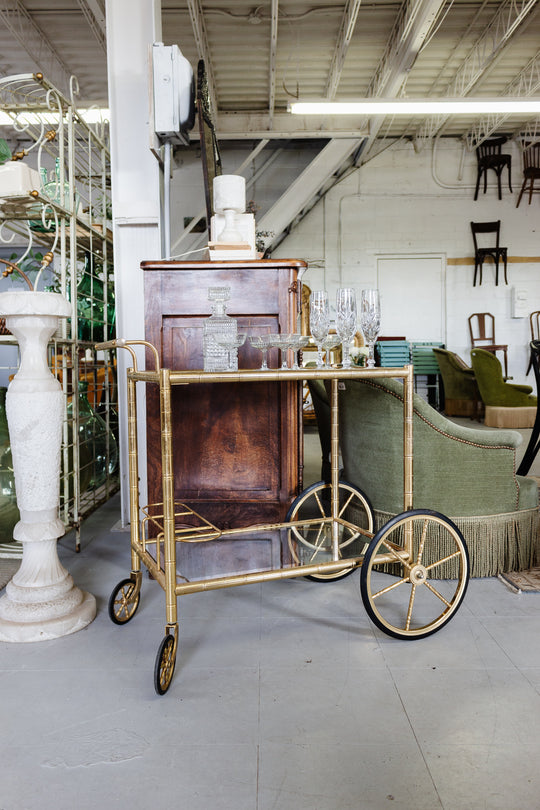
[(124, 601), (312, 542), (165, 661)]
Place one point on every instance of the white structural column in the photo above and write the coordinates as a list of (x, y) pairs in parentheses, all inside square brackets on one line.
[(132, 27)]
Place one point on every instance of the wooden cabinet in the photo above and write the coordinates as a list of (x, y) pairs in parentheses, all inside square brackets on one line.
[(237, 447)]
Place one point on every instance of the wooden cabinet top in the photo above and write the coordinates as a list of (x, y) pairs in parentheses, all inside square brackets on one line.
[(262, 264)]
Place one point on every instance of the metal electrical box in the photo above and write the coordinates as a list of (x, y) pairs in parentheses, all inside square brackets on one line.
[(520, 303), (174, 93)]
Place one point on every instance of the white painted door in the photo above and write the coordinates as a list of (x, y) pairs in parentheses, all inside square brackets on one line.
[(412, 297)]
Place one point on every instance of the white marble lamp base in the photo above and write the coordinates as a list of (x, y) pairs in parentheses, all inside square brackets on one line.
[(41, 602), (22, 622)]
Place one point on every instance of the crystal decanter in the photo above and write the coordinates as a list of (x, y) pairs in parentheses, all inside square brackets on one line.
[(216, 357)]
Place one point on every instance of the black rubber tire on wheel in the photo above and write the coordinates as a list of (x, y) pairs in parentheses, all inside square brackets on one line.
[(165, 663), (414, 598), (122, 606), (310, 544)]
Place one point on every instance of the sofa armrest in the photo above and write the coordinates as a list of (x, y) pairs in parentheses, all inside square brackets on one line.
[(510, 439), (525, 389)]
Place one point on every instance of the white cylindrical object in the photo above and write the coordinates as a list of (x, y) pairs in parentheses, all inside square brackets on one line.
[(229, 193), (41, 601)]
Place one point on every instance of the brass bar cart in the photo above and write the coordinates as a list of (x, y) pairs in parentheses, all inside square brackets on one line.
[(405, 582)]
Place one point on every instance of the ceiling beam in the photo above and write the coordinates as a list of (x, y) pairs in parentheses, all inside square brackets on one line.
[(305, 187), (411, 29), (95, 17), (348, 23), (526, 83), (254, 125), (272, 69), (203, 50), (510, 15), (413, 24), (32, 40)]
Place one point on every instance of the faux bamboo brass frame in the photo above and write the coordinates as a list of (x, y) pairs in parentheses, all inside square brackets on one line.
[(165, 542)]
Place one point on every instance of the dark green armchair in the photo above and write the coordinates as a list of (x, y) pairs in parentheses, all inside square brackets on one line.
[(493, 388), (506, 404), (461, 394), (467, 474)]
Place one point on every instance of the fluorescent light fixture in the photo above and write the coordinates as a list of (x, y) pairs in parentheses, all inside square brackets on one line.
[(411, 106)]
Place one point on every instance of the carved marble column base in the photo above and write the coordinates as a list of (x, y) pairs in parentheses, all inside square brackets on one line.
[(41, 601), (41, 621)]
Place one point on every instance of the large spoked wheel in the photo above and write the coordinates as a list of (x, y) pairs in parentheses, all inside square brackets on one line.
[(124, 601), (165, 663), (413, 598), (311, 543)]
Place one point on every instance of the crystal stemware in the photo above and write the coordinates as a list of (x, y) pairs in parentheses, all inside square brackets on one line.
[(232, 343), (298, 342), (330, 342), (263, 343), (346, 320), (370, 321), (283, 343), (319, 320)]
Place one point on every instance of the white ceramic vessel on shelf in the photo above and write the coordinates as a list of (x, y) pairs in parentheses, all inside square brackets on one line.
[(41, 601)]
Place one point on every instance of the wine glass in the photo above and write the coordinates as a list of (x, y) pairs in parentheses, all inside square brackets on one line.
[(370, 320), (346, 321), (263, 343), (319, 320), (232, 342)]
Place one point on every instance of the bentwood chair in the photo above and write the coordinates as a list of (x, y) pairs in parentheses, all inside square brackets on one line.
[(489, 251), (534, 321), (482, 332), (531, 170), (488, 155)]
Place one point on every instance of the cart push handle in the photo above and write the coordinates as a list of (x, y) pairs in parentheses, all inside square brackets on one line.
[(122, 343)]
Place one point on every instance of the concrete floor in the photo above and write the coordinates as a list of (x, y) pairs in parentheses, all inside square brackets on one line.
[(285, 697)]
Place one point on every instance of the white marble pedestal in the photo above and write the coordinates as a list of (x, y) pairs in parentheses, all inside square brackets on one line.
[(41, 601)]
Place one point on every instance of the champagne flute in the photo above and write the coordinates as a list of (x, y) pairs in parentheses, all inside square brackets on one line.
[(370, 321), (346, 320), (319, 320)]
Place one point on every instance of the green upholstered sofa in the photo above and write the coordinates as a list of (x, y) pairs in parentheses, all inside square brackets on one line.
[(467, 474)]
